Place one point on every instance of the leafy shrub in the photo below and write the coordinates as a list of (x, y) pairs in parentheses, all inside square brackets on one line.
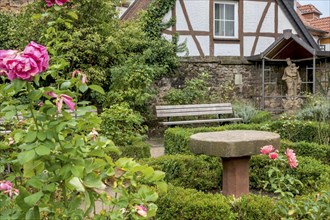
[(189, 171), (251, 207), (122, 125), (317, 108), (261, 116), (181, 203), (138, 149), (312, 173), (313, 206), (194, 91), (303, 148), (245, 111)]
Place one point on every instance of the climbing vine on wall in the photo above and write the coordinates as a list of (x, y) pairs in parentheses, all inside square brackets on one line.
[(153, 18)]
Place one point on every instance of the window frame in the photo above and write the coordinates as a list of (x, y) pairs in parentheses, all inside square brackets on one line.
[(236, 17)]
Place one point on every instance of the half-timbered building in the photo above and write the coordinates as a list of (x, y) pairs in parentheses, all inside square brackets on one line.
[(252, 38)]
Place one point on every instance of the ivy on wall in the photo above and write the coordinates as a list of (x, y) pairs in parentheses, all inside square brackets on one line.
[(153, 18)]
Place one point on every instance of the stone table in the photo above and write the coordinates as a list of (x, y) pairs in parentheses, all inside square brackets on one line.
[(235, 147)]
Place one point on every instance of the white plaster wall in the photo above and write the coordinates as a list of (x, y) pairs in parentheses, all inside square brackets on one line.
[(263, 44), (252, 14), (226, 50), (192, 49), (167, 37), (284, 23), (204, 41), (327, 47), (198, 12), (248, 43), (268, 24), (181, 23)]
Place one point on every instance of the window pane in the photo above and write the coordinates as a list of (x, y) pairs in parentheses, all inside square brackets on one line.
[(217, 30), (229, 12), (222, 28), (217, 8), (222, 11), (230, 28)]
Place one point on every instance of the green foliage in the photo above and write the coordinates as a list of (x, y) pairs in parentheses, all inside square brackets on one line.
[(245, 111), (152, 19), (313, 206), (261, 117), (194, 92), (138, 149), (303, 148), (198, 172), (317, 108), (7, 27), (181, 203), (251, 207), (312, 173), (122, 125)]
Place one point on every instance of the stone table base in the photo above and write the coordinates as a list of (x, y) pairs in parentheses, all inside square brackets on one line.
[(235, 176)]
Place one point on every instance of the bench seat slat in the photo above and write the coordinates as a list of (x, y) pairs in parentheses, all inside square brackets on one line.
[(192, 113), (159, 107), (199, 121)]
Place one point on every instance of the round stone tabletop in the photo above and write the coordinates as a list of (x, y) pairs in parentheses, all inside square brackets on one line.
[(232, 143)]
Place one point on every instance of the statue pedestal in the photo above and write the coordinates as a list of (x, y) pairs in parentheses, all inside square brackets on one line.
[(292, 103)]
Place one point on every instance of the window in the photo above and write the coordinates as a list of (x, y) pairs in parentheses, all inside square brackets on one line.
[(225, 19)]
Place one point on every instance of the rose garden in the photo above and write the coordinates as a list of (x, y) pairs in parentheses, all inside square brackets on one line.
[(77, 93)]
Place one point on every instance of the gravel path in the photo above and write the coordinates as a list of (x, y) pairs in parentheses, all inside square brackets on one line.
[(156, 146)]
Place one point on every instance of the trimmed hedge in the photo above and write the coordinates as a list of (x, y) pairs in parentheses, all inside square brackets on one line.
[(204, 172), (176, 140), (312, 173), (179, 203), (198, 172), (303, 148), (137, 150)]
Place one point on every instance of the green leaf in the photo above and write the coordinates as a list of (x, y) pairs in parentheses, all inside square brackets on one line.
[(26, 156), (57, 8), (18, 84), (93, 181), (33, 214), (36, 16), (97, 88), (33, 199), (36, 183), (33, 168), (42, 135), (76, 183), (42, 150), (65, 85), (73, 15), (35, 95), (78, 171), (18, 136), (30, 136), (83, 88)]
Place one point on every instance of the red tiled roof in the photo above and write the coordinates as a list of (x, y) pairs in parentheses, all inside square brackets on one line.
[(306, 9), (321, 24)]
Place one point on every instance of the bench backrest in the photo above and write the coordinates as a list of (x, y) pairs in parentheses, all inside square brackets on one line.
[(192, 110)]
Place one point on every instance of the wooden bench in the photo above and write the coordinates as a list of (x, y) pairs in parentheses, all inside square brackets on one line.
[(169, 111)]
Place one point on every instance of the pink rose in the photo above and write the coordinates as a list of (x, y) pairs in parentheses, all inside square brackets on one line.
[(6, 185), (4, 55), (293, 162), (273, 155), (22, 66), (39, 54), (50, 3), (267, 149)]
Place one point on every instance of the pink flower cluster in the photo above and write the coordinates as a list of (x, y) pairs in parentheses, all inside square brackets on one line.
[(60, 99), (141, 210), (269, 150), (50, 3), (272, 154), (24, 65), (293, 162), (7, 188)]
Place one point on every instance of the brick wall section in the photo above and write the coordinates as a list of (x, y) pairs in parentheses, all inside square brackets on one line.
[(13, 5)]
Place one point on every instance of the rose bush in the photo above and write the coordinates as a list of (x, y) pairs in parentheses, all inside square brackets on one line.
[(54, 155)]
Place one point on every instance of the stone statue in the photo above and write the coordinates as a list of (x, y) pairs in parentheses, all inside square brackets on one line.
[(293, 81)]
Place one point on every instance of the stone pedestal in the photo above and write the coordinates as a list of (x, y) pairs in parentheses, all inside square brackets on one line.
[(235, 148), (235, 176)]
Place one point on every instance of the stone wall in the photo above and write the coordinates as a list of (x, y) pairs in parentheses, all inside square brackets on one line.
[(13, 5), (222, 73)]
